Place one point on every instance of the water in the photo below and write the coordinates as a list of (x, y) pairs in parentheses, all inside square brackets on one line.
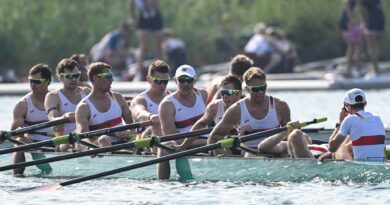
[(304, 106)]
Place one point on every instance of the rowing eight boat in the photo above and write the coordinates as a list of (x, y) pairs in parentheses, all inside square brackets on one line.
[(233, 169)]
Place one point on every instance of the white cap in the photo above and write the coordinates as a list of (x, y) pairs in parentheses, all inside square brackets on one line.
[(355, 96), (186, 70)]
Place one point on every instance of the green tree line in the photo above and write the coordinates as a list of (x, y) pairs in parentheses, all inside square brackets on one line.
[(34, 31)]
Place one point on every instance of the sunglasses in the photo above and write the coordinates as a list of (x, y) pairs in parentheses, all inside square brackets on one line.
[(105, 75), (183, 79), (229, 92), (257, 88), (159, 80), (71, 75), (36, 80)]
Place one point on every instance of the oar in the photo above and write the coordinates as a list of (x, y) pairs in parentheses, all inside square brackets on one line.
[(73, 137), (140, 143), (53, 134), (4, 135), (7, 135), (223, 144)]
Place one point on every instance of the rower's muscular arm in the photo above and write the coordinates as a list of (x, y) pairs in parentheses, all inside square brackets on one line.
[(126, 113), (271, 144), (230, 119), (139, 109), (19, 114), (166, 111), (83, 114), (52, 106)]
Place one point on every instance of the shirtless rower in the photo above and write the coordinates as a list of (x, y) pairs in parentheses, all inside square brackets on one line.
[(259, 111), (238, 65), (102, 108), (30, 109), (180, 110), (360, 135), (62, 102), (230, 90), (144, 106)]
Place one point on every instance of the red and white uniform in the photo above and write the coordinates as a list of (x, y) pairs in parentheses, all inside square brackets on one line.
[(101, 120), (35, 116), (270, 121), (367, 134), (185, 117), (67, 106)]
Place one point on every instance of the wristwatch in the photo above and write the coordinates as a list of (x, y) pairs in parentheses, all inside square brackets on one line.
[(337, 125)]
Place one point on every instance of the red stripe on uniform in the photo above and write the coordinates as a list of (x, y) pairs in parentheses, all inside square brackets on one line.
[(369, 140), (106, 124), (318, 148), (188, 122)]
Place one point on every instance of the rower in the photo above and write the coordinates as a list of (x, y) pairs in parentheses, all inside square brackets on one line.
[(102, 108), (83, 62), (30, 109), (360, 135), (238, 65), (62, 102), (230, 90), (257, 112), (144, 106), (180, 110)]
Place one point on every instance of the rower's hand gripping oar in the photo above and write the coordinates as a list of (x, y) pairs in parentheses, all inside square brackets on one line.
[(73, 137), (225, 143), (140, 143), (5, 135)]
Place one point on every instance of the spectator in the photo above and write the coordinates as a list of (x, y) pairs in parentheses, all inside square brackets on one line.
[(149, 23), (353, 35), (374, 23), (261, 50), (174, 51), (114, 48), (285, 48)]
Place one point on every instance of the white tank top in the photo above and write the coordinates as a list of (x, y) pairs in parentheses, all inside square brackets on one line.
[(186, 117), (151, 106), (220, 111), (67, 106), (101, 120), (268, 122), (35, 116), (368, 135)]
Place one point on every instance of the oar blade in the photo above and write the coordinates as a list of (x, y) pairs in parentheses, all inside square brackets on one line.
[(49, 187)]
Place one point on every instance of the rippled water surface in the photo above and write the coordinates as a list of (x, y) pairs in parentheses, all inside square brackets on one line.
[(303, 105)]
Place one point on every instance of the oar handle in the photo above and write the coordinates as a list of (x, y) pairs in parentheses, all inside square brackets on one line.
[(74, 137), (304, 124), (267, 133), (4, 135)]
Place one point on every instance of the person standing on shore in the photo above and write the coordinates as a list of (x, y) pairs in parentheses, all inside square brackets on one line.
[(352, 30), (149, 22), (374, 23)]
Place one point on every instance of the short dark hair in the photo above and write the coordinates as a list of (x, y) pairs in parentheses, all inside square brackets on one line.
[(78, 57), (159, 66), (68, 64), (254, 73), (358, 106), (239, 64), (96, 68), (43, 69), (233, 80)]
